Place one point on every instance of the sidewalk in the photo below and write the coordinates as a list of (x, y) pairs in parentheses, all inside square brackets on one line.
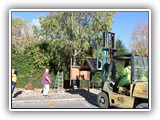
[(78, 98), (56, 97), (22, 95)]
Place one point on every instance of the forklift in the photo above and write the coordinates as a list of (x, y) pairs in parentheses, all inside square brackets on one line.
[(133, 95)]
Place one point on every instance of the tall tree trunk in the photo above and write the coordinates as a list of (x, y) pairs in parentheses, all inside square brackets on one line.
[(74, 60)]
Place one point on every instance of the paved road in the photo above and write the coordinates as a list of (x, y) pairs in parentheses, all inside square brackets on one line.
[(70, 99), (53, 104)]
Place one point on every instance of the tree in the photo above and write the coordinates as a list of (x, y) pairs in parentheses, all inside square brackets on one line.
[(62, 36), (81, 28), (22, 34), (99, 22), (120, 47), (139, 37)]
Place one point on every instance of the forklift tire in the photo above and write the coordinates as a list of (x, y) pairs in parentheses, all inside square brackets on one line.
[(142, 105), (102, 99)]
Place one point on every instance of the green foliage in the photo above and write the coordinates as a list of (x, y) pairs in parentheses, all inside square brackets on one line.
[(83, 84), (28, 72), (23, 65), (96, 79), (120, 47), (61, 36)]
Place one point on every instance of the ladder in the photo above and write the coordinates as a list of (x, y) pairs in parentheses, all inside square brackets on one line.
[(58, 86)]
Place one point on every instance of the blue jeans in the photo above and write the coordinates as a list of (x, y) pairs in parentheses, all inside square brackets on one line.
[(13, 86)]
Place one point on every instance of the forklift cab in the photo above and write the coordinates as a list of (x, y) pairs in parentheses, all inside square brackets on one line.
[(131, 95), (139, 71)]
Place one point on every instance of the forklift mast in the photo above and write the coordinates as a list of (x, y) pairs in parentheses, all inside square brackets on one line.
[(108, 51)]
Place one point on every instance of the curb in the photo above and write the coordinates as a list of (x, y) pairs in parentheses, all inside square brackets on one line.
[(48, 100)]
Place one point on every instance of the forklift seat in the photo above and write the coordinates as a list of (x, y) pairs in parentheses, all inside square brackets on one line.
[(123, 90)]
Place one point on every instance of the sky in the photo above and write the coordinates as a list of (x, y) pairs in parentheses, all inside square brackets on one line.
[(124, 22), (31, 17)]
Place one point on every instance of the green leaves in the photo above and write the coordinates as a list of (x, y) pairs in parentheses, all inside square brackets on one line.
[(120, 47), (61, 36)]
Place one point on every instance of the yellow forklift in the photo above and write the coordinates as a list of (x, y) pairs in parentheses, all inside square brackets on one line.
[(133, 95)]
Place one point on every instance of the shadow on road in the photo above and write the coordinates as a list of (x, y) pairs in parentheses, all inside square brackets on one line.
[(17, 93), (89, 97)]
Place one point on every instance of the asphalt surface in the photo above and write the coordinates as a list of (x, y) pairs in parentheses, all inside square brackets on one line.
[(68, 99)]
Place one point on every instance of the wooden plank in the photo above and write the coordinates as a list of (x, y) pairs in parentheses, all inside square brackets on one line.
[(77, 74)]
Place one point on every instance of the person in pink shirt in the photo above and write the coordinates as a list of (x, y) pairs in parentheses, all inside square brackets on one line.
[(46, 81)]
